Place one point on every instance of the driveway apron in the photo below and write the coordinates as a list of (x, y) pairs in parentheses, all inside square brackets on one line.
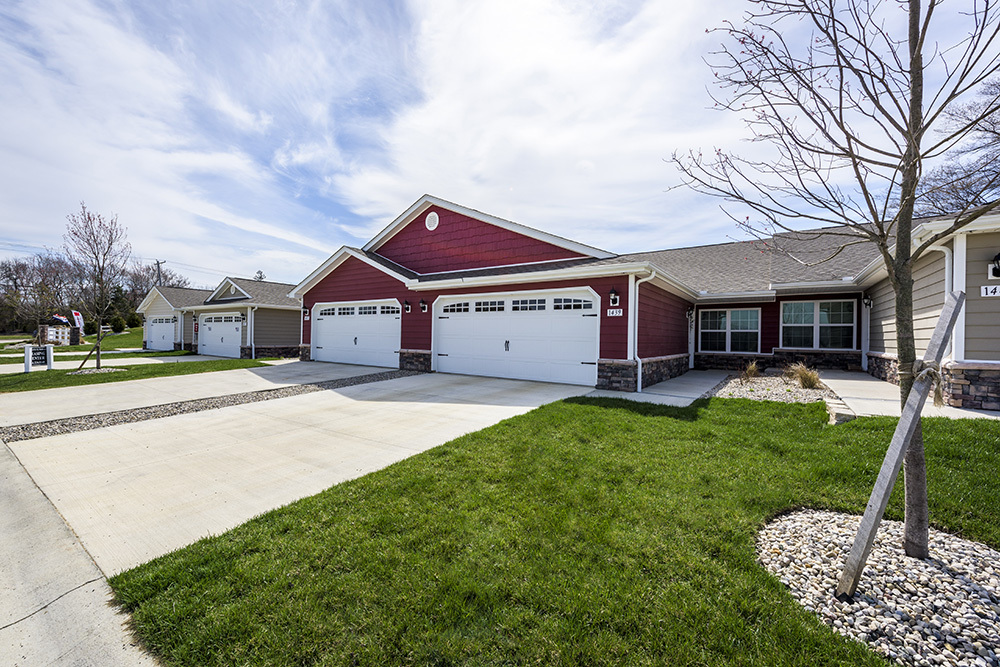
[(137, 491)]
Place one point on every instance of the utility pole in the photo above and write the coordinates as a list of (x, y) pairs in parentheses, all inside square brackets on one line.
[(159, 280)]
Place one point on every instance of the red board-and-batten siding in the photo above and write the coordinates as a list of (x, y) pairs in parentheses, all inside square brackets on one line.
[(355, 280), (460, 242)]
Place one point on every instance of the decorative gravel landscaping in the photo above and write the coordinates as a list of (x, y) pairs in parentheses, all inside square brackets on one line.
[(88, 422), (769, 388), (940, 611)]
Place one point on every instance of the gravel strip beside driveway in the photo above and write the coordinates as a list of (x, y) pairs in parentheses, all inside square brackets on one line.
[(88, 422), (768, 388)]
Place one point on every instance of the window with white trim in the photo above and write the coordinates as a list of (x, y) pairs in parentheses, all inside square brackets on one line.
[(489, 306), (735, 330), (527, 304), (818, 325), (462, 307), (572, 304), (367, 310)]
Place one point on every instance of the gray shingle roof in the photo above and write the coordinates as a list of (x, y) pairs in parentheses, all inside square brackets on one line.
[(184, 297), (740, 266), (266, 293)]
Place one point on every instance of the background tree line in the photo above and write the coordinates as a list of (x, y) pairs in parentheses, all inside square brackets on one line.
[(93, 273)]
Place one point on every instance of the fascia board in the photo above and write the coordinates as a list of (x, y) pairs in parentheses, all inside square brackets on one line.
[(335, 260), (149, 300), (813, 284), (425, 202), (240, 305), (730, 297), (989, 222), (223, 284)]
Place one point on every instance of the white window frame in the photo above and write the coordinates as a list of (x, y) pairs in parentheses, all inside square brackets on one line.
[(729, 330), (816, 326)]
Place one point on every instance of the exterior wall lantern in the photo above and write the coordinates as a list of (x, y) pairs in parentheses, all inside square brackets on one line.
[(995, 269), (423, 306), (406, 306), (305, 311), (614, 297), (867, 300)]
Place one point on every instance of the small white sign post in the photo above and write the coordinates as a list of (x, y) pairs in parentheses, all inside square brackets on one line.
[(37, 355), (879, 499)]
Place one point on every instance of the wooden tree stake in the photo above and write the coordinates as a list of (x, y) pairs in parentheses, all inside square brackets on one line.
[(879, 499)]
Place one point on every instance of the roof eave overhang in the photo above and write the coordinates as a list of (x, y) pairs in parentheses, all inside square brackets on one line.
[(149, 299), (425, 202), (815, 286), (223, 284), (335, 260), (735, 297), (230, 306)]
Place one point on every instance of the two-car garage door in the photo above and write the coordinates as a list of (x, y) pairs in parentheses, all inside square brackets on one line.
[(547, 336)]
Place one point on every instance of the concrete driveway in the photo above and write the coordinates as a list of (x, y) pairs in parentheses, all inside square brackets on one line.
[(136, 491)]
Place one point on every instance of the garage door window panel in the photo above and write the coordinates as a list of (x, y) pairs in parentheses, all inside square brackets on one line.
[(489, 306), (522, 305), (572, 304)]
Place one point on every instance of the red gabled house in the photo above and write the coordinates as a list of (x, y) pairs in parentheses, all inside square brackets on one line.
[(451, 289)]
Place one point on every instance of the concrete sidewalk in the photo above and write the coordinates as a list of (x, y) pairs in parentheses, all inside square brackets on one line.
[(679, 391), (53, 599), (115, 360), (868, 396), (47, 404)]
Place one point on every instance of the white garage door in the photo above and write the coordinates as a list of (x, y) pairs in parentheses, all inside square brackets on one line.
[(551, 336), (160, 334), (220, 335), (357, 333)]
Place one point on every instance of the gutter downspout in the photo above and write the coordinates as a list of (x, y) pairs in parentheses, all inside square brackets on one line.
[(635, 320), (948, 279), (253, 341)]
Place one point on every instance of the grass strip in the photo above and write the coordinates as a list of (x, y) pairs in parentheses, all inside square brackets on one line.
[(587, 532), (112, 358), (35, 380)]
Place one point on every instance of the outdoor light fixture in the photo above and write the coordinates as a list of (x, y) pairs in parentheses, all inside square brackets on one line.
[(423, 306), (614, 297), (867, 300), (995, 270), (174, 319), (305, 311), (406, 306)]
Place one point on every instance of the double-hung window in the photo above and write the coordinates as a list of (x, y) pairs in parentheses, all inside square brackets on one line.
[(730, 330), (821, 325)]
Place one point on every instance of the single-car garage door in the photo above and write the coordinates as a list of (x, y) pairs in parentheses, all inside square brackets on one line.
[(220, 335), (160, 333), (547, 336), (364, 333)]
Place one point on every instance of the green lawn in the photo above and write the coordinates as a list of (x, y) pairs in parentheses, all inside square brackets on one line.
[(587, 532), (61, 378), (130, 338)]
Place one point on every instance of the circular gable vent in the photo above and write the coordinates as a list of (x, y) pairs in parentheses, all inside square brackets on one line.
[(431, 221)]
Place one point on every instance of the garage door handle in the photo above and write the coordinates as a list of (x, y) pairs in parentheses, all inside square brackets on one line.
[(355, 340), (440, 317), (589, 363), (442, 355), (319, 347), (593, 315)]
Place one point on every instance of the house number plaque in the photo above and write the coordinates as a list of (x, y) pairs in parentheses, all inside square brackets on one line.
[(989, 290), (614, 312)]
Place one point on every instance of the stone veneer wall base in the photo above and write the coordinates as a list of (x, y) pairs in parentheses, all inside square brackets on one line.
[(415, 360), (305, 353), (658, 369), (280, 351), (967, 384), (845, 360)]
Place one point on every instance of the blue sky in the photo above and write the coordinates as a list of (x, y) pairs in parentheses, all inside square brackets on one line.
[(232, 136)]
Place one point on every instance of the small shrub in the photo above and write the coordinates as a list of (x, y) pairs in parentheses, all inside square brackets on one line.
[(807, 377), (89, 328), (133, 320), (117, 324)]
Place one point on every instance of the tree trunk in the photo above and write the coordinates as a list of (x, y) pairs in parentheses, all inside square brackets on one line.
[(100, 336)]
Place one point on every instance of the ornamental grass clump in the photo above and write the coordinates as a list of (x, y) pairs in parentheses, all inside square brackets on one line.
[(807, 377), (750, 372)]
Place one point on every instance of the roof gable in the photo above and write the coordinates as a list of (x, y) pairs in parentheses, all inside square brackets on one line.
[(227, 291), (176, 297), (435, 236)]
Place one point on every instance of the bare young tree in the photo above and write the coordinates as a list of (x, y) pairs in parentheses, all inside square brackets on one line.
[(846, 98), (35, 287), (99, 252)]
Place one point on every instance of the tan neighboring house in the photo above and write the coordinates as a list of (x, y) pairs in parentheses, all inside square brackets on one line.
[(241, 318)]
